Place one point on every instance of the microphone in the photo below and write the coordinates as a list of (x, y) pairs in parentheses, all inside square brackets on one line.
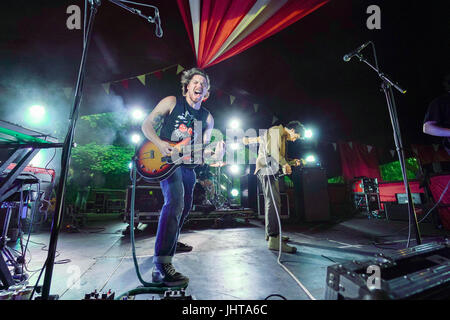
[(350, 55)]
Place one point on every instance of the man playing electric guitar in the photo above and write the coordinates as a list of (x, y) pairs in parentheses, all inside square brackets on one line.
[(272, 156), (181, 117)]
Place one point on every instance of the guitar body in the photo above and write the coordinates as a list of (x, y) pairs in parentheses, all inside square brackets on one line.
[(152, 165)]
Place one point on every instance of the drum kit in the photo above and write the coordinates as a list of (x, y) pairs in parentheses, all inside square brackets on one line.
[(212, 188)]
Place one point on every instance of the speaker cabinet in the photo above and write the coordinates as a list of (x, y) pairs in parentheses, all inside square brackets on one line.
[(284, 206), (313, 201)]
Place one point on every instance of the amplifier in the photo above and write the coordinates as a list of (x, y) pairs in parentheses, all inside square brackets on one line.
[(147, 205), (284, 214), (417, 273)]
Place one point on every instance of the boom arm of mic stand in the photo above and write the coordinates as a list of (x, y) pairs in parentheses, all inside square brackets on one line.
[(380, 74), (133, 10), (387, 85)]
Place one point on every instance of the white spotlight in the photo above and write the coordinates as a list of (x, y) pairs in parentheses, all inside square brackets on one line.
[(234, 192), (234, 169), (136, 138), (235, 123), (36, 113), (310, 158), (308, 133), (234, 146), (130, 165), (137, 114)]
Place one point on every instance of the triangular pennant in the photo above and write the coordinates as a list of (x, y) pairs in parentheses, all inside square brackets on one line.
[(142, 79), (106, 87), (274, 119), (219, 93), (158, 74), (350, 144), (67, 92), (392, 152), (125, 83), (255, 107), (179, 69), (334, 146), (232, 99), (435, 147), (369, 148)]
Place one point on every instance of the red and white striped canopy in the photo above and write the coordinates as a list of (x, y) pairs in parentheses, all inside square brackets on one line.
[(220, 29)]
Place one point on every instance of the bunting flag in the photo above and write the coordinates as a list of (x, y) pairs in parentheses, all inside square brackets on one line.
[(141, 78), (369, 148), (232, 99), (179, 69), (158, 74), (274, 119), (392, 153), (68, 92), (334, 145), (106, 87), (125, 83), (435, 147), (255, 107), (350, 144), (218, 30)]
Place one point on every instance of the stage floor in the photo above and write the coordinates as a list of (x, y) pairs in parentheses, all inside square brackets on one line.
[(230, 261)]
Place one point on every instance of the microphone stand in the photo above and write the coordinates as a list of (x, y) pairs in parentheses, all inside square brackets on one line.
[(68, 142), (387, 85)]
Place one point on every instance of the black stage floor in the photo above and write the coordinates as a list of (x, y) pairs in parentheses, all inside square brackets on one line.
[(230, 260)]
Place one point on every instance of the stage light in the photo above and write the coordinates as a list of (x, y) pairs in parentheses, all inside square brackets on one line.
[(235, 123), (234, 192), (310, 158), (137, 114), (234, 169), (308, 133), (130, 165), (136, 138), (36, 113)]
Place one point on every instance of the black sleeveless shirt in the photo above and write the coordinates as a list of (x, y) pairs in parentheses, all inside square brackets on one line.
[(179, 124)]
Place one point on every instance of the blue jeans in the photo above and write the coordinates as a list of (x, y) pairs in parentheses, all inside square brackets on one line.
[(178, 192)]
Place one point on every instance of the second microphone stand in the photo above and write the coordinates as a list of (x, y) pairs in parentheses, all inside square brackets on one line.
[(387, 85)]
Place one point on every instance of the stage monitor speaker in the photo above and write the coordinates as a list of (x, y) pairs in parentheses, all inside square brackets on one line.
[(314, 201), (399, 212), (284, 205), (417, 273)]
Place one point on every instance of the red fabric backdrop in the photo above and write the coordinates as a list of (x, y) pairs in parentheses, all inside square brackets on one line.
[(357, 160), (389, 189), (437, 186), (430, 153)]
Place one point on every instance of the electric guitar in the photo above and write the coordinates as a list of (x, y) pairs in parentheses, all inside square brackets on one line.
[(152, 165)]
